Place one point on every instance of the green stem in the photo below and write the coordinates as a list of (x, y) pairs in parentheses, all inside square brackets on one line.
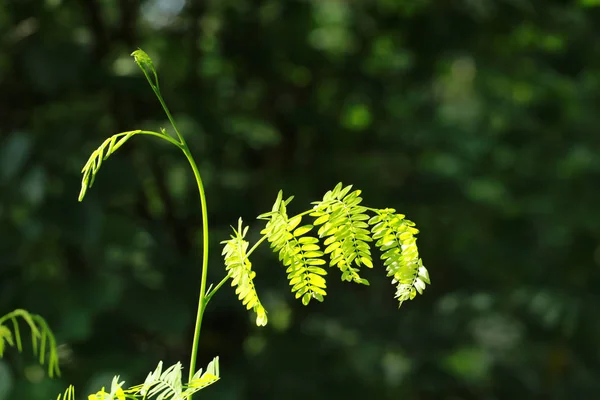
[(164, 106), (212, 292), (262, 239), (202, 300), (156, 91), (160, 135)]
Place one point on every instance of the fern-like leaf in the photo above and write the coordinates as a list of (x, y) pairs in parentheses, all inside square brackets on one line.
[(159, 385), (163, 384), (107, 148), (92, 166), (116, 391), (167, 384), (6, 336), (42, 338), (300, 254), (343, 224), (396, 239), (200, 380), (68, 395), (240, 270)]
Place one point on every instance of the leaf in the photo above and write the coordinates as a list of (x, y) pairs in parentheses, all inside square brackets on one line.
[(299, 253), (68, 395), (345, 232), (294, 222), (142, 58), (5, 337), (116, 392), (302, 230), (145, 63), (200, 380), (363, 281), (310, 247), (42, 338), (106, 149), (167, 384), (322, 219), (239, 268), (261, 316), (395, 237), (367, 262), (306, 299)]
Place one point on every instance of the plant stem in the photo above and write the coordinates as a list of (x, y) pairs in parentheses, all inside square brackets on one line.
[(156, 91), (212, 292), (262, 239), (164, 106), (167, 138), (202, 298)]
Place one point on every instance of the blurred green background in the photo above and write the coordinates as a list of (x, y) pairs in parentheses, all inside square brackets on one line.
[(476, 118)]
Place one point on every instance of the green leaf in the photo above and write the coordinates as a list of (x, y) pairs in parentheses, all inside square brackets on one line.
[(300, 254), (347, 231), (168, 384), (302, 230), (317, 270), (362, 281), (367, 261), (294, 222), (309, 247), (42, 338), (306, 299), (313, 254), (68, 395), (5, 337), (424, 275), (322, 219), (395, 238), (239, 268), (142, 58), (344, 229), (106, 149)]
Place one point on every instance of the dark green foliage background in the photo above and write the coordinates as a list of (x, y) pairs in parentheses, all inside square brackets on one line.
[(478, 119)]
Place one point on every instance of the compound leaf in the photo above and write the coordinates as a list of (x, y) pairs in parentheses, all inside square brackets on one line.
[(341, 220), (300, 254), (396, 239), (240, 270)]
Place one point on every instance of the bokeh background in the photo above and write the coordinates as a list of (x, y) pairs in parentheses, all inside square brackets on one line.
[(476, 118)]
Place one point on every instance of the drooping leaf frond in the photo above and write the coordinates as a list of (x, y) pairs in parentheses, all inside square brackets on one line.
[(42, 338), (107, 148), (300, 254), (396, 239), (92, 166), (240, 270), (343, 224)]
